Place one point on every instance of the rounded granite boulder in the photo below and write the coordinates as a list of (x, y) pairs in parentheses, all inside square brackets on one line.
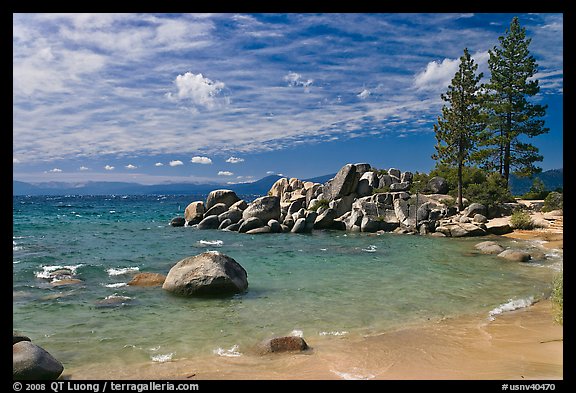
[(211, 273)]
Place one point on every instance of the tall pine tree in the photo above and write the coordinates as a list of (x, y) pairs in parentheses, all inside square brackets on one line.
[(510, 114), (458, 128)]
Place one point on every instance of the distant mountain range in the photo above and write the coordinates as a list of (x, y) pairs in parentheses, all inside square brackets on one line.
[(552, 179), (259, 187)]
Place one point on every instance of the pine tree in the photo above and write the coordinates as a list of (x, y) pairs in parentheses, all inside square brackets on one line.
[(458, 128), (510, 114)]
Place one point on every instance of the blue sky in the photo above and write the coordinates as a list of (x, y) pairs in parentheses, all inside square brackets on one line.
[(153, 98)]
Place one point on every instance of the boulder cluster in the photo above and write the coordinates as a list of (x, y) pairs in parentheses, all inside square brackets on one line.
[(359, 199)]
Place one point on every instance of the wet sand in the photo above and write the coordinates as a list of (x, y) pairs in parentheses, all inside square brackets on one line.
[(522, 344)]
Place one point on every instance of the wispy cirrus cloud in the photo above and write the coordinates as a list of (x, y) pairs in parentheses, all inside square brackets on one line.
[(137, 85)]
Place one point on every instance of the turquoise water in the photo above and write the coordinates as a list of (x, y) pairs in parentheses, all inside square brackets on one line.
[(328, 283)]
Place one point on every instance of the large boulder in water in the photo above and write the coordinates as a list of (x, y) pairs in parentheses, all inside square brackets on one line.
[(227, 197), (265, 208), (31, 362), (194, 212), (209, 273)]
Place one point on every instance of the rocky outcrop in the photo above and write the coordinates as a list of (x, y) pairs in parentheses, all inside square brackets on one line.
[(358, 198), (283, 344), (31, 362), (209, 273), (227, 197), (265, 208), (344, 183), (194, 212), (437, 185)]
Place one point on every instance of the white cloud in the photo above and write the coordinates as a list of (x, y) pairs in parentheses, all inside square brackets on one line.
[(270, 172), (83, 168), (364, 94), (294, 79), (201, 160), (438, 75), (158, 164), (234, 160), (109, 167), (55, 170), (176, 163), (200, 91), (225, 173), (15, 161), (130, 166)]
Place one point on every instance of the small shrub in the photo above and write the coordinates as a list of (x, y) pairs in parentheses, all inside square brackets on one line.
[(380, 190), (558, 298), (521, 220), (380, 171), (320, 203), (554, 201)]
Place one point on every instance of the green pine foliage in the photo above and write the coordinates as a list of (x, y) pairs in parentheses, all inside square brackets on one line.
[(521, 220), (510, 117), (458, 128)]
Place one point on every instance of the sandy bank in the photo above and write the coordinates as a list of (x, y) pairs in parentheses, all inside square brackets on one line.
[(522, 344)]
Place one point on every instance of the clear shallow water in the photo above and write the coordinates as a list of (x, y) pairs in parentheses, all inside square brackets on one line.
[(326, 284)]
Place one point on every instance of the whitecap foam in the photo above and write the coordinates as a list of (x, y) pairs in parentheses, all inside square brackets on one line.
[(371, 248), (342, 333), (162, 358), (116, 285), (121, 270), (353, 376), (117, 297), (215, 243), (231, 353), (46, 272), (297, 333), (511, 305)]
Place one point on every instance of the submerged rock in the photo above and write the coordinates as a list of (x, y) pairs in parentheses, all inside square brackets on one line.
[(489, 247), (147, 280), (515, 255), (178, 222), (209, 273)]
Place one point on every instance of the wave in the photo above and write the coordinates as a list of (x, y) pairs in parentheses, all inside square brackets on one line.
[(16, 247), (297, 333), (48, 271), (231, 353), (122, 270), (116, 285), (216, 243), (162, 358), (511, 305), (371, 248), (342, 333), (353, 376)]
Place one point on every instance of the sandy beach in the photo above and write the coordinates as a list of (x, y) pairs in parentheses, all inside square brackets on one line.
[(523, 344)]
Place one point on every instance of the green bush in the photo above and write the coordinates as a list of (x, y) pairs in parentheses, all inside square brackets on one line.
[(380, 190), (319, 203), (491, 192), (521, 220), (558, 298), (553, 201)]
